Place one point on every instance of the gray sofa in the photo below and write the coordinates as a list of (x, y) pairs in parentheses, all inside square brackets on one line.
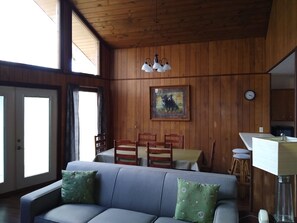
[(127, 194)]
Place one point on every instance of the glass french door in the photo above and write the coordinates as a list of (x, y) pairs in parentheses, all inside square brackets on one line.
[(28, 137)]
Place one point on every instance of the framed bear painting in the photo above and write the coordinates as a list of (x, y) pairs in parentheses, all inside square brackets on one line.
[(170, 103)]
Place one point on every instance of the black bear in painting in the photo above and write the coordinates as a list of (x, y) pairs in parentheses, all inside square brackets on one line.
[(169, 103)]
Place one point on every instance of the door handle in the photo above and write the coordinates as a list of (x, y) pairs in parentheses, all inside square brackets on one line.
[(19, 147)]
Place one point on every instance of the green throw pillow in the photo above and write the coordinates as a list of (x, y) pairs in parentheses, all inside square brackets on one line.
[(78, 186), (196, 202)]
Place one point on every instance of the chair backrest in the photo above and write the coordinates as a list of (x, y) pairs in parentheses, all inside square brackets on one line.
[(126, 152), (144, 138), (100, 143), (176, 140), (159, 154), (207, 166)]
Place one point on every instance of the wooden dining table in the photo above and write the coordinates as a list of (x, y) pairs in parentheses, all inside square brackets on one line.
[(184, 159)]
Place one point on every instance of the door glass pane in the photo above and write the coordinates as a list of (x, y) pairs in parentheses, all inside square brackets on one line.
[(1, 139), (36, 136), (87, 125)]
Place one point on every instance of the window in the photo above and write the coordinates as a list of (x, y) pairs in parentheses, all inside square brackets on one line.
[(85, 48), (85, 119), (30, 32), (88, 124)]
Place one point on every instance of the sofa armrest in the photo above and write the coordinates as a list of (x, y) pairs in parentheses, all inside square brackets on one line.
[(226, 211), (39, 201)]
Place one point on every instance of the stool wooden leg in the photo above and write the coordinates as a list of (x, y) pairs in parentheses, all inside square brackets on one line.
[(232, 166), (242, 172), (247, 171)]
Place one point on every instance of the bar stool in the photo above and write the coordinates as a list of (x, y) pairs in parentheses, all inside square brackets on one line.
[(237, 151), (240, 151), (240, 167)]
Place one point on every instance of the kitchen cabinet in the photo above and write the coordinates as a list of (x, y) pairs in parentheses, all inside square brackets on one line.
[(282, 104)]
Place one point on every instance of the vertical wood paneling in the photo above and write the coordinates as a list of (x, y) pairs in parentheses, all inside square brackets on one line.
[(258, 116), (282, 31), (252, 108), (219, 73), (216, 121), (197, 59), (191, 138), (204, 111), (225, 120), (202, 56), (214, 58), (105, 58), (234, 112)]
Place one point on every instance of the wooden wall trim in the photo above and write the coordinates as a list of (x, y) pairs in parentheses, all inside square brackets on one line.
[(156, 78), (65, 37)]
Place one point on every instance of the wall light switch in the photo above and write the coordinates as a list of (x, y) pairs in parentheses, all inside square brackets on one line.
[(260, 129)]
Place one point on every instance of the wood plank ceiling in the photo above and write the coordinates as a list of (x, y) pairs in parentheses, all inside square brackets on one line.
[(139, 23)]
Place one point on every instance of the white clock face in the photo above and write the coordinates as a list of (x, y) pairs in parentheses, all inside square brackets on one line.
[(250, 95)]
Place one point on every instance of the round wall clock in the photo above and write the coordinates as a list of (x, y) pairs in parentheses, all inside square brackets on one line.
[(249, 95)]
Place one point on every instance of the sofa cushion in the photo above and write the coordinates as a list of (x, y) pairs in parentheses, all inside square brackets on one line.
[(115, 215), (196, 202), (70, 213), (78, 186), (139, 189)]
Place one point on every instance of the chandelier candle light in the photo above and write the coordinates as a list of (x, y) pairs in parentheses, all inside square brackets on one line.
[(159, 66), (278, 155)]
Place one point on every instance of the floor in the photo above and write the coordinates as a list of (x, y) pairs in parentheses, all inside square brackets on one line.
[(10, 209), (245, 216)]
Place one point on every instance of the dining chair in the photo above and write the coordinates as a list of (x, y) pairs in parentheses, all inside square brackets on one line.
[(176, 140), (100, 143), (159, 154), (207, 166), (144, 138), (126, 152)]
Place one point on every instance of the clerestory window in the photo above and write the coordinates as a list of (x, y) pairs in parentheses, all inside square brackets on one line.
[(85, 48), (30, 32)]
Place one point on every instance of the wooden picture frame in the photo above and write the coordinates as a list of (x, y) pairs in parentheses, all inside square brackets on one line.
[(170, 103)]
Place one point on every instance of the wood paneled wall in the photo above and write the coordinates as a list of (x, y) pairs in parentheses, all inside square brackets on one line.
[(218, 73), (218, 110), (244, 56), (282, 31)]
